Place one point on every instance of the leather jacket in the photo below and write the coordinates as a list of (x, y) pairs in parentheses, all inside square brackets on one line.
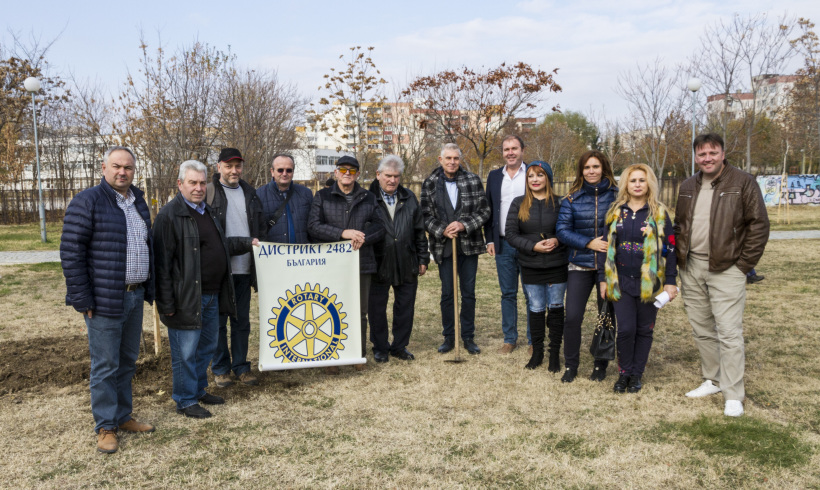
[(738, 222)]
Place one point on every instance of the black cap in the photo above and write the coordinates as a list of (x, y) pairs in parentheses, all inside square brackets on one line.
[(228, 154), (346, 160)]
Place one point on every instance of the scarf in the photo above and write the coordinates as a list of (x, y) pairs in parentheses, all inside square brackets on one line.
[(653, 261)]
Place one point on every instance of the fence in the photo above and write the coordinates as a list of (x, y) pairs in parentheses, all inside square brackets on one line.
[(21, 206)]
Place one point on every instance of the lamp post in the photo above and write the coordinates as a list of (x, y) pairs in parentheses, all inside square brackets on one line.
[(693, 85), (32, 85)]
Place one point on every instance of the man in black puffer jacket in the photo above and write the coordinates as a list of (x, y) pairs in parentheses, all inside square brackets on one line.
[(401, 257), (347, 211)]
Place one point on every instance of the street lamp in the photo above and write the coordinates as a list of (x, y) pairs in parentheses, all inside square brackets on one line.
[(32, 85), (693, 85)]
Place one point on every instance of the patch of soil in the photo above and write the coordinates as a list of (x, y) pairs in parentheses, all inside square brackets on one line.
[(32, 365)]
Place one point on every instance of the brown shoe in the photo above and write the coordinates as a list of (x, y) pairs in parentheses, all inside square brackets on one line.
[(248, 379), (507, 348), (360, 367), (223, 380), (332, 370), (136, 426), (107, 441)]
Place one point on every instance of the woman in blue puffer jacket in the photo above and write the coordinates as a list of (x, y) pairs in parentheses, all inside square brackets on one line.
[(581, 227)]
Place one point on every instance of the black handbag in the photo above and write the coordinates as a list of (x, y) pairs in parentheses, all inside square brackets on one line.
[(603, 338)]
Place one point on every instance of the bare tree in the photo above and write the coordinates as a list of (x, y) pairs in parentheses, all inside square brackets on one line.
[(21, 60), (653, 95), (170, 109), (405, 134), (352, 112), (479, 105), (717, 62), (258, 115), (803, 115), (764, 50)]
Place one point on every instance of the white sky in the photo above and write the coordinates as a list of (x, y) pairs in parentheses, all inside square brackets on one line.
[(589, 41)]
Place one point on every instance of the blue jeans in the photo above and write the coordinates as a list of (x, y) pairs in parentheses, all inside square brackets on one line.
[(114, 345), (467, 269), (191, 352), (509, 273), (240, 331), (543, 296)]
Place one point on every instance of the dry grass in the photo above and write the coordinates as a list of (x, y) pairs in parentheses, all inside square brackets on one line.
[(427, 423), (797, 218)]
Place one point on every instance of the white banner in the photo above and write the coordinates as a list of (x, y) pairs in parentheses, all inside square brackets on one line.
[(308, 305)]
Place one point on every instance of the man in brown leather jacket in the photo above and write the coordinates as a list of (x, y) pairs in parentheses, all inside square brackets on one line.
[(721, 230)]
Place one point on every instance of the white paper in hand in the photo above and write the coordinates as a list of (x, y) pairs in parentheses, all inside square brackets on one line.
[(661, 300)]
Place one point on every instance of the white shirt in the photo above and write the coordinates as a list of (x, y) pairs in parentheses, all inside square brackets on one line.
[(452, 191), (511, 187)]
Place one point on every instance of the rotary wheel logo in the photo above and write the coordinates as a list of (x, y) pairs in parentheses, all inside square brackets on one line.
[(307, 325)]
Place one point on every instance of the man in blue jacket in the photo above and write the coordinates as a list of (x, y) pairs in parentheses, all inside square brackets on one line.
[(503, 185), (285, 204), (107, 259)]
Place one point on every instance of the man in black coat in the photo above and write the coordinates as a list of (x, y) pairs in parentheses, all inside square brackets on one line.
[(401, 257), (194, 285), (237, 208), (347, 211)]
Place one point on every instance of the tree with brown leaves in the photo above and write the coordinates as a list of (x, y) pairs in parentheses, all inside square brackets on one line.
[(476, 106)]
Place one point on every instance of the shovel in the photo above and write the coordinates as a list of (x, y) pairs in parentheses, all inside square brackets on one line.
[(457, 358)]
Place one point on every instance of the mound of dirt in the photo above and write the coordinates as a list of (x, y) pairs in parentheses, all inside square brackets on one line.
[(33, 364)]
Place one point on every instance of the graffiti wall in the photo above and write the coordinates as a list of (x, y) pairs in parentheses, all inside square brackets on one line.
[(802, 189)]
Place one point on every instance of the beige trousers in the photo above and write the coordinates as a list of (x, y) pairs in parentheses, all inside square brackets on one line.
[(714, 303)]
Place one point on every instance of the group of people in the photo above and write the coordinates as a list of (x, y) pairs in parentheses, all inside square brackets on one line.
[(616, 237)]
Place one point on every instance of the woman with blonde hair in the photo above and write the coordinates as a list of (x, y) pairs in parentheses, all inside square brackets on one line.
[(530, 228), (639, 264)]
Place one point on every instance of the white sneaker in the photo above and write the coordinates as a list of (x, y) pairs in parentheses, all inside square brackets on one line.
[(734, 408), (706, 389)]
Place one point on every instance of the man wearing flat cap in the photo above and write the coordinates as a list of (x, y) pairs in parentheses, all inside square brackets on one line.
[(347, 211)]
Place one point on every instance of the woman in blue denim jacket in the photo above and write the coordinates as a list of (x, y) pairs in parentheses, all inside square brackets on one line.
[(581, 227), (639, 265)]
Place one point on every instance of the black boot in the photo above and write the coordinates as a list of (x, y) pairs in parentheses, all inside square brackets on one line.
[(555, 322), (537, 328)]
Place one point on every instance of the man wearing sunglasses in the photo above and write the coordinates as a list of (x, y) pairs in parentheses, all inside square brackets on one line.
[(235, 204), (346, 211), (285, 204)]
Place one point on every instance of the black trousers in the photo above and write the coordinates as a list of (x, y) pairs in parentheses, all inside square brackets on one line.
[(579, 285), (404, 300)]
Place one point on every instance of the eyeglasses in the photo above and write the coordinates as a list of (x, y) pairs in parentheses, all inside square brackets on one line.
[(285, 170), (351, 171)]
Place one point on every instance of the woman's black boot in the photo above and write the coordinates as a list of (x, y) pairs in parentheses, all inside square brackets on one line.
[(555, 322), (537, 330)]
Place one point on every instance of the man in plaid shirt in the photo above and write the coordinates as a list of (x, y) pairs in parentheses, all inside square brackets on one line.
[(455, 207), (107, 259)]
